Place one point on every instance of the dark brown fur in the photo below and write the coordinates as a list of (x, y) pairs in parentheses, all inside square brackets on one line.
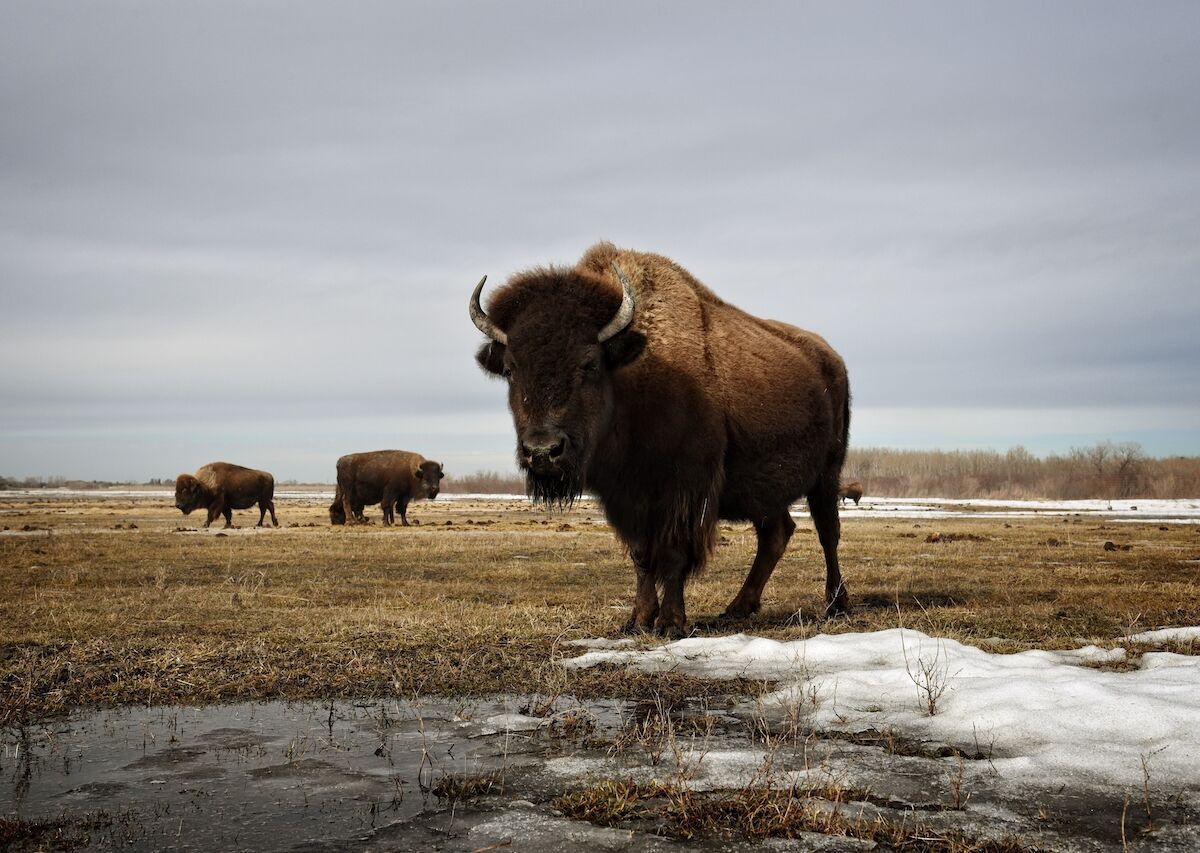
[(853, 490), (390, 478), (696, 412), (222, 487)]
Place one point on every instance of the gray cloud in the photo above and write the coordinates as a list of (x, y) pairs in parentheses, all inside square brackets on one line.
[(267, 217)]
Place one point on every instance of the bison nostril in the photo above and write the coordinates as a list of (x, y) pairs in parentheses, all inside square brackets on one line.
[(558, 449)]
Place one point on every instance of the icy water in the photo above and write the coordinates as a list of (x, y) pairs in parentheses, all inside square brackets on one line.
[(383, 776)]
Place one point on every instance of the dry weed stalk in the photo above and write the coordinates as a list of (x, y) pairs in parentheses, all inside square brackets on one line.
[(931, 677)]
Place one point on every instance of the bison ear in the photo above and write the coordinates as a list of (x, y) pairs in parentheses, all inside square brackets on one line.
[(624, 348), (491, 357)]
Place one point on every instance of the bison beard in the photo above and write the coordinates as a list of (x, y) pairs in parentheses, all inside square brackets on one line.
[(554, 491)]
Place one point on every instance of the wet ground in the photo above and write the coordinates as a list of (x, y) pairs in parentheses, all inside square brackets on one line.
[(482, 774)]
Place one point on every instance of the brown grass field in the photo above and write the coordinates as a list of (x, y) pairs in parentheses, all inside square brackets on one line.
[(107, 601)]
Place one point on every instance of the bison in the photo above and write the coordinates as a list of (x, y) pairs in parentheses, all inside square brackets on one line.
[(630, 379), (853, 490), (223, 487), (390, 478)]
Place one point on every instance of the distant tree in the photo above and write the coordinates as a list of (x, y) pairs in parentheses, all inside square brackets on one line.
[(1131, 463)]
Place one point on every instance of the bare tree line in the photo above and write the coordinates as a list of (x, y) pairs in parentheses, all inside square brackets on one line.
[(1104, 470)]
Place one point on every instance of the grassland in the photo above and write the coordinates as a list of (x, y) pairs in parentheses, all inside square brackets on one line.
[(107, 601)]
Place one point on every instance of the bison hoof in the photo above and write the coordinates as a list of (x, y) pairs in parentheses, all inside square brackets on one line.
[(671, 632), (740, 611), (633, 626), (838, 607), (672, 629)]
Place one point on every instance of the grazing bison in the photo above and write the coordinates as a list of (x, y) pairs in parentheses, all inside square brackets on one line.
[(629, 378), (222, 488), (390, 478), (853, 490)]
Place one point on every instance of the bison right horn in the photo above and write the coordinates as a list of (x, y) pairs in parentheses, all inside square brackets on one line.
[(481, 320), (624, 313)]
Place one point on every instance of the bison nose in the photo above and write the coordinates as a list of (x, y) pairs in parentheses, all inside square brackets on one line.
[(545, 455)]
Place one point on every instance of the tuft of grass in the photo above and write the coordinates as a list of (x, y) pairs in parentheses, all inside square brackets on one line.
[(19, 834), (758, 812), (457, 787)]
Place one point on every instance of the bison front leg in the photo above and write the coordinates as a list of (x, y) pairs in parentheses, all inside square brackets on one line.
[(645, 601), (672, 617), (402, 504), (353, 513), (667, 569)]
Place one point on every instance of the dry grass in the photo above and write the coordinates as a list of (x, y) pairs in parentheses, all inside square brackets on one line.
[(761, 811), (480, 597), (19, 834)]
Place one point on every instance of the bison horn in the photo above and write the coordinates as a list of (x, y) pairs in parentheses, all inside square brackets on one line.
[(481, 320), (624, 313)]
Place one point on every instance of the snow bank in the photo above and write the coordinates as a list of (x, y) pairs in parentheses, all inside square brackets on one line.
[(1185, 511), (1041, 715)]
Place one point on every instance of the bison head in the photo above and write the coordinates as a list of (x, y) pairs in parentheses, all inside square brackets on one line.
[(189, 493), (556, 337), (429, 477), (337, 512)]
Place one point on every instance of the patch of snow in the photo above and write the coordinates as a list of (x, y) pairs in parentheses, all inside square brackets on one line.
[(602, 643), (1040, 714), (514, 723), (1184, 510), (540, 832), (1166, 635)]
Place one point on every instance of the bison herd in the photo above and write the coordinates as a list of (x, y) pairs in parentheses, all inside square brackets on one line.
[(390, 478), (631, 381)]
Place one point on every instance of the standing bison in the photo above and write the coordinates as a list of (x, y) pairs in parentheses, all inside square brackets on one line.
[(852, 490), (223, 487), (390, 478), (629, 378)]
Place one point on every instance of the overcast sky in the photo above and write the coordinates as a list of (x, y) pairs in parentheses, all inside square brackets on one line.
[(248, 231)]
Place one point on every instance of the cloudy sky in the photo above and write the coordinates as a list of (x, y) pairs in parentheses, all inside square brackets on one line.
[(249, 231)]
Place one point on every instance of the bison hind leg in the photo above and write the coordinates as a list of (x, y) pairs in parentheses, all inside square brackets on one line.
[(774, 532), (823, 507)]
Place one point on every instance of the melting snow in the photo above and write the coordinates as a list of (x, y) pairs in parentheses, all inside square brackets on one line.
[(1042, 716)]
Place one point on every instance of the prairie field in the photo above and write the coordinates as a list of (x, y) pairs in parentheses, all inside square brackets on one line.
[(479, 595), (117, 601)]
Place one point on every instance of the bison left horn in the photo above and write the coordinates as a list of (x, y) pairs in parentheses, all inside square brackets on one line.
[(481, 320), (624, 313)]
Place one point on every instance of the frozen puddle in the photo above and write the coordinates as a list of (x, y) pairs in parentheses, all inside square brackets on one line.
[(466, 775)]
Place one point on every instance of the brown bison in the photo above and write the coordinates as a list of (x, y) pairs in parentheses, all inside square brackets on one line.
[(223, 487), (390, 478), (629, 378), (853, 490)]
